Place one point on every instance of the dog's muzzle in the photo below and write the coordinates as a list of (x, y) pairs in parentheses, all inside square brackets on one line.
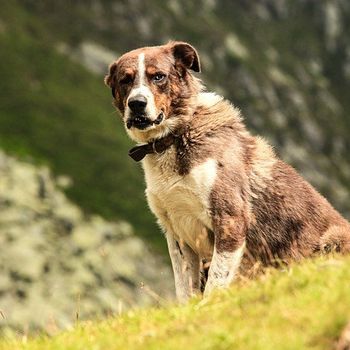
[(142, 122)]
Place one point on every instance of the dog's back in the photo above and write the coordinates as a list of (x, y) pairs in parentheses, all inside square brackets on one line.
[(290, 219)]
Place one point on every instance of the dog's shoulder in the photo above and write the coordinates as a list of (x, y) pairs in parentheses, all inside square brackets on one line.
[(214, 131), (214, 114)]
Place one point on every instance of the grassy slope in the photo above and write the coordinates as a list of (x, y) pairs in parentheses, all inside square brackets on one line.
[(57, 112), (304, 307)]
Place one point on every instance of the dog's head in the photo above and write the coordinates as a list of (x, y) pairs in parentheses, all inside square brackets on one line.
[(153, 87)]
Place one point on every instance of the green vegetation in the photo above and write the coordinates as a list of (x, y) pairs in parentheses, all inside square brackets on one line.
[(303, 307), (55, 111)]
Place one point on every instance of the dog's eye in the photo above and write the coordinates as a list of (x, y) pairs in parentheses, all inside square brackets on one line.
[(157, 78), (126, 80)]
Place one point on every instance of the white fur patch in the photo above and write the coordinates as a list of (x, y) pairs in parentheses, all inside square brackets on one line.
[(142, 89), (208, 99), (185, 267), (181, 203), (223, 268), (202, 177), (142, 68)]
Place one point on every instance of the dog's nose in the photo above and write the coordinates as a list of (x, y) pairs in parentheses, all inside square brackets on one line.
[(137, 103)]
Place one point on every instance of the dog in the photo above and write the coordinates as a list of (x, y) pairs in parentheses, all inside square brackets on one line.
[(221, 196)]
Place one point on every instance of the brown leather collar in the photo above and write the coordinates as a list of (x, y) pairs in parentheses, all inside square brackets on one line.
[(137, 153)]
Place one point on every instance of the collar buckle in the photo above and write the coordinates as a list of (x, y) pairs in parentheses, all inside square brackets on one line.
[(137, 153), (154, 147)]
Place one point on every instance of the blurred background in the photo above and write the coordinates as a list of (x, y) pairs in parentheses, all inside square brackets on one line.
[(77, 239)]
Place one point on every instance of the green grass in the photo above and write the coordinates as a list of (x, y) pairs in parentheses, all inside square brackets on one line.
[(303, 307)]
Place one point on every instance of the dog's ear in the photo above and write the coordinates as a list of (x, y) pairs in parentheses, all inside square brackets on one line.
[(186, 54), (110, 77)]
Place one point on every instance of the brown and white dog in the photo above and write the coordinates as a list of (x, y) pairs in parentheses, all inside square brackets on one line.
[(220, 194)]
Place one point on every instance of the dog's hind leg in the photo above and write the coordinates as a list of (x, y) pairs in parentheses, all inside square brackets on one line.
[(186, 267)]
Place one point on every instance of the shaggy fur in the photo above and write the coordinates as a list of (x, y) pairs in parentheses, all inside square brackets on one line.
[(220, 194)]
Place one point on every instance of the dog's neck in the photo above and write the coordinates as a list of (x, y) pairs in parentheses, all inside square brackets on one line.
[(157, 146), (167, 138)]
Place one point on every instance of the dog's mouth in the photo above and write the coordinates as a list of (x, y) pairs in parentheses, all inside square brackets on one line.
[(141, 122)]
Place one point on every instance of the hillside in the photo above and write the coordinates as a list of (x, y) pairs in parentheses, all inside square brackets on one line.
[(57, 262), (303, 307), (286, 64), (56, 112)]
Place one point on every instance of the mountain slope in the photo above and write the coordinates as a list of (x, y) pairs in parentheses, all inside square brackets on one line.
[(57, 112), (57, 263)]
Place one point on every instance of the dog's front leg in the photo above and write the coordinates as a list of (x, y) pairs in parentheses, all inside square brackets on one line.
[(228, 251), (185, 264)]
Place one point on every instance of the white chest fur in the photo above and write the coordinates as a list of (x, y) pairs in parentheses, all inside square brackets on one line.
[(181, 203)]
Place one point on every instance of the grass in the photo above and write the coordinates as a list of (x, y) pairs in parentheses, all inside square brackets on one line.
[(303, 307)]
